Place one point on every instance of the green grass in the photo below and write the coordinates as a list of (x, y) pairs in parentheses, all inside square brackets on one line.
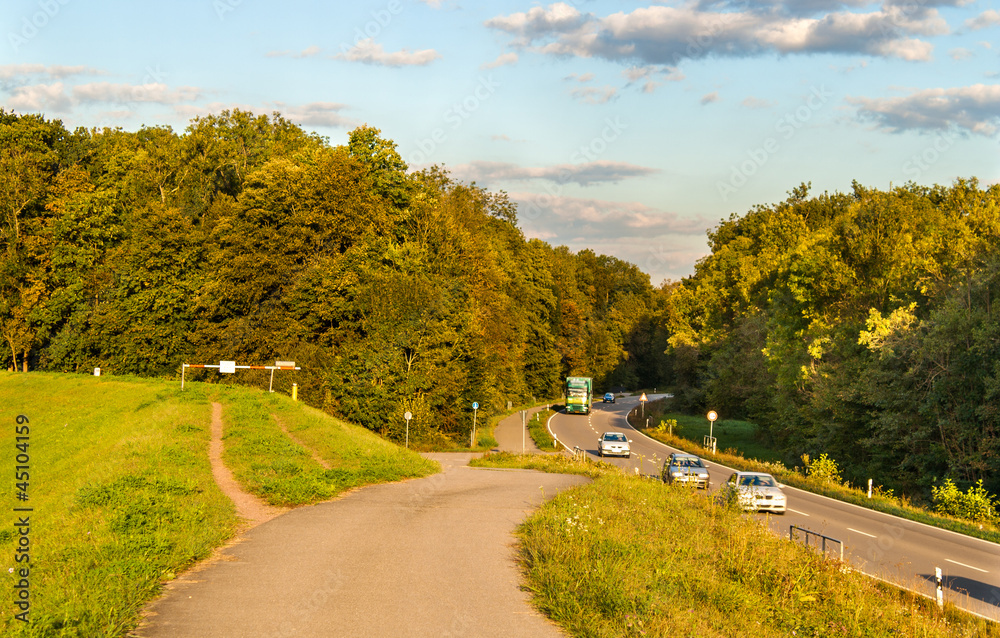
[(554, 463), (269, 464), (625, 556), (122, 492)]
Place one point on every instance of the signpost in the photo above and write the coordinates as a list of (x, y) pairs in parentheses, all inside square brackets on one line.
[(710, 441), (642, 404), (475, 409), (407, 416)]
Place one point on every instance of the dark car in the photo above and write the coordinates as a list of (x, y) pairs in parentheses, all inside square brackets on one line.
[(609, 398), (687, 469)]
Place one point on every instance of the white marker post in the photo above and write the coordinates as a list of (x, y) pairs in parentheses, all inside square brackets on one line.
[(475, 409), (407, 416), (940, 588)]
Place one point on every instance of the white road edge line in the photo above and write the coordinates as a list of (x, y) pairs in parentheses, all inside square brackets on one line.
[(886, 515), (858, 531), (798, 512), (964, 565)]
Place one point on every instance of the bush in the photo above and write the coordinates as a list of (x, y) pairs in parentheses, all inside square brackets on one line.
[(976, 504), (824, 469)]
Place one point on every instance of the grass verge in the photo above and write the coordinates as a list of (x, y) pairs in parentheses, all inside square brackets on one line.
[(626, 556), (122, 493)]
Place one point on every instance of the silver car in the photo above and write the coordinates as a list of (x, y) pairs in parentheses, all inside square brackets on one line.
[(757, 491), (687, 469), (614, 444)]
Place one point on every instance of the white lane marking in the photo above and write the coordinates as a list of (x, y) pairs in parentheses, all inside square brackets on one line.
[(858, 531), (964, 565), (797, 512)]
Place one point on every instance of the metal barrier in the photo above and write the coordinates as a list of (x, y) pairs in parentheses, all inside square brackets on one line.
[(824, 539)]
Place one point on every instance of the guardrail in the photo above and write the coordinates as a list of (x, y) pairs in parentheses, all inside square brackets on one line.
[(808, 533)]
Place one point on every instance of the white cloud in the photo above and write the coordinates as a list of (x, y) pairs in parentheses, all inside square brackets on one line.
[(988, 18), (10, 71), (974, 108), (504, 59), (40, 97), (580, 77), (669, 34), (307, 52), (594, 95), (585, 174), (317, 114), (155, 92), (709, 98), (369, 52), (752, 102), (959, 53), (657, 241)]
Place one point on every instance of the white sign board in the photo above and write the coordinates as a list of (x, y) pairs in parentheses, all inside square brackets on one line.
[(227, 367)]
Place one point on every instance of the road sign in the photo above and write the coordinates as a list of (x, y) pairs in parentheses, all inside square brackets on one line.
[(227, 367), (407, 416), (712, 416), (475, 405), (643, 397)]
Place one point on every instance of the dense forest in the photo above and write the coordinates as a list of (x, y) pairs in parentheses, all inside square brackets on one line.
[(855, 324), (247, 239)]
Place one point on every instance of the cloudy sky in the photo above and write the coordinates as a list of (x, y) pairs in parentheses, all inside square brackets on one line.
[(626, 127)]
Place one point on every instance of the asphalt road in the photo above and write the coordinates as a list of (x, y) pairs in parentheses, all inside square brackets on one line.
[(427, 557), (888, 547)]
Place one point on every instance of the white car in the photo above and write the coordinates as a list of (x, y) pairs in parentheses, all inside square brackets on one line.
[(614, 444), (757, 491)]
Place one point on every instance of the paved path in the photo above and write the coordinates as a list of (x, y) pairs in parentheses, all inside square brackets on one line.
[(508, 433), (427, 557)]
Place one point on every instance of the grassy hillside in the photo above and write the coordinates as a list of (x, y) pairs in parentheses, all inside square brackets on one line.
[(626, 556), (122, 494)]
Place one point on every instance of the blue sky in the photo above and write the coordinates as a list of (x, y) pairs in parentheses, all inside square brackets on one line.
[(626, 127)]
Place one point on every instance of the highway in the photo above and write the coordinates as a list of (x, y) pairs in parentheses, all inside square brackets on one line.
[(884, 546)]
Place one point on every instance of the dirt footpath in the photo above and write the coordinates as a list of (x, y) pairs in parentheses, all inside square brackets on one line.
[(427, 557)]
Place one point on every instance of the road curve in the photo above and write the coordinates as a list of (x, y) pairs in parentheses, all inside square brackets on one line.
[(427, 557), (888, 547)]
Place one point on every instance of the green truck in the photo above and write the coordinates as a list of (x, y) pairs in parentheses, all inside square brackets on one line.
[(579, 393)]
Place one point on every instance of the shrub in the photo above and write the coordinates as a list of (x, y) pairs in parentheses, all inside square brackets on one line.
[(976, 504), (824, 469)]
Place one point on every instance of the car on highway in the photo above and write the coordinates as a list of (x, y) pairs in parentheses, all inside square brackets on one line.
[(757, 491), (686, 469), (614, 444), (609, 398)]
